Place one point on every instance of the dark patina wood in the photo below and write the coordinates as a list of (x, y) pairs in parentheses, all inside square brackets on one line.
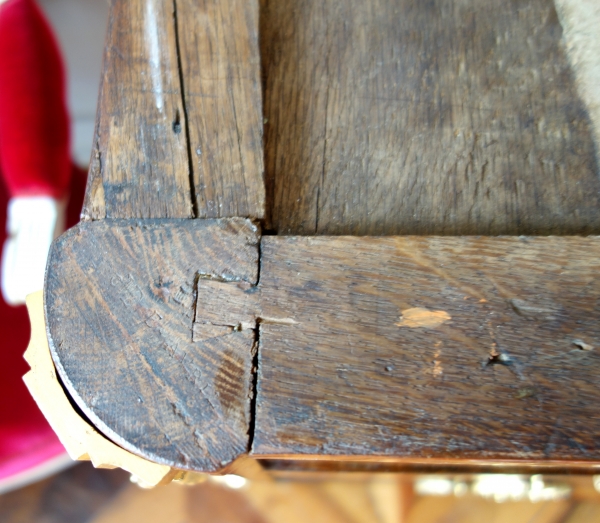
[(406, 348), (120, 303), (140, 165), (179, 124), (424, 347), (414, 117), (193, 342), (220, 64)]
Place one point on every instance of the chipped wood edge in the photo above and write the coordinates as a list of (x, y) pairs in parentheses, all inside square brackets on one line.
[(81, 440)]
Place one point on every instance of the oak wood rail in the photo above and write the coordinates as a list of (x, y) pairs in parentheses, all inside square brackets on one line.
[(190, 338)]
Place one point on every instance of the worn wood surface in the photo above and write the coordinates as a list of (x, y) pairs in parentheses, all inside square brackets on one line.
[(220, 64), (409, 117), (179, 125), (140, 163), (80, 439), (380, 118), (120, 302), (451, 348)]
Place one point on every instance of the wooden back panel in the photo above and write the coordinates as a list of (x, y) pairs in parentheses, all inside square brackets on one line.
[(416, 117)]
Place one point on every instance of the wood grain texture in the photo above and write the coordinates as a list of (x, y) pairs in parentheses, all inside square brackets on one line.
[(80, 439), (179, 125), (421, 352), (140, 166), (419, 348), (218, 42), (408, 117), (120, 303), (388, 117)]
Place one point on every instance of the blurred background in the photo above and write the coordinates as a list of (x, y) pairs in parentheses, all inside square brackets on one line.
[(83, 494), (80, 26)]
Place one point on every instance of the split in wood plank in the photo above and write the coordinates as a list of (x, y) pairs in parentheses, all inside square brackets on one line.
[(179, 125), (401, 348), (120, 302)]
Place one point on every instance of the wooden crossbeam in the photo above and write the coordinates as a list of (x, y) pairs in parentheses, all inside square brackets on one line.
[(397, 348)]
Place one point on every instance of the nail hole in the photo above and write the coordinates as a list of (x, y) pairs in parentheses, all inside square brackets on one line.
[(177, 123)]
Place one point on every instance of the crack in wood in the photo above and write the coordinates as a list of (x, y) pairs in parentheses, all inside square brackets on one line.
[(177, 123), (140, 315)]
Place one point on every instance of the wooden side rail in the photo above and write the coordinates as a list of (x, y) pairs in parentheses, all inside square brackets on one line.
[(192, 326), (398, 348)]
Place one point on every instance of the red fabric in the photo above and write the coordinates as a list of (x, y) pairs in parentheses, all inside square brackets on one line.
[(34, 124), (25, 436), (34, 160), (26, 439)]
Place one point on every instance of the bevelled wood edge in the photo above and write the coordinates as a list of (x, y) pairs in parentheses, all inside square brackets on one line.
[(120, 305), (140, 164), (307, 463), (82, 441)]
